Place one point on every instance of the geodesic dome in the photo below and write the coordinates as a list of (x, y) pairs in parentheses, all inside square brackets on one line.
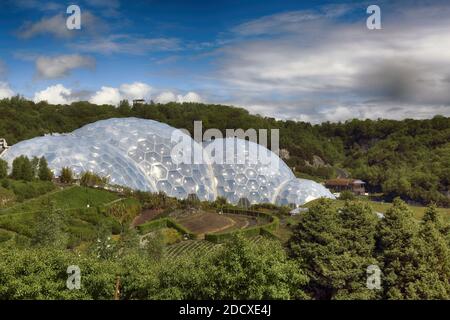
[(82, 155), (299, 191), (244, 169), (152, 156)]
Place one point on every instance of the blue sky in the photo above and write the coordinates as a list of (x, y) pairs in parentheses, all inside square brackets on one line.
[(305, 60)]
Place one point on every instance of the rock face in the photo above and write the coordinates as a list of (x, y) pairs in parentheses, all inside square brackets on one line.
[(152, 156)]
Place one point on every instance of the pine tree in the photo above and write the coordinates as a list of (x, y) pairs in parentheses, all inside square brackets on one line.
[(357, 236), (399, 252), (317, 246), (435, 254), (335, 247)]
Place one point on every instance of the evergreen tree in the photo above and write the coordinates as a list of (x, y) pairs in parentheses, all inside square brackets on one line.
[(45, 174), (357, 236), (317, 247), (335, 247), (435, 256), (399, 252)]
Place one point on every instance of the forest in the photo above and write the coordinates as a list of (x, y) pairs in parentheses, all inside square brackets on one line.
[(409, 159)]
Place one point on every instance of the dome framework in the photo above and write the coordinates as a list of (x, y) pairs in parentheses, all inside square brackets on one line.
[(144, 155)]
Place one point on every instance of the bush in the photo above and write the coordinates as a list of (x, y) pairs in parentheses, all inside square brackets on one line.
[(347, 195)]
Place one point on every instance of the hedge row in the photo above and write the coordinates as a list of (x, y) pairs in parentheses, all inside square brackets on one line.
[(249, 232)]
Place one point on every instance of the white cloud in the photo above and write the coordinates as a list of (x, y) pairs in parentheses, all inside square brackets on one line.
[(136, 90), (321, 68), (107, 95), (189, 97), (5, 90), (121, 43), (59, 66), (169, 96), (165, 97), (57, 94)]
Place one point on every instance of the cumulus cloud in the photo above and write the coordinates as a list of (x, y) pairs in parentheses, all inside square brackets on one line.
[(57, 94), (131, 91), (321, 68), (106, 95), (168, 96), (136, 90), (189, 97), (60, 66), (139, 90), (5, 90)]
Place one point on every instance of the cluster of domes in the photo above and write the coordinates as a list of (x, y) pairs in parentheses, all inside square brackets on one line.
[(143, 154)]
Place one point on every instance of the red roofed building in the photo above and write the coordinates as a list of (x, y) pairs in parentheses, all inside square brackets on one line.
[(354, 185)]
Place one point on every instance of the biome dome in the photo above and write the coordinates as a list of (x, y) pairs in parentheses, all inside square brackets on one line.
[(146, 155)]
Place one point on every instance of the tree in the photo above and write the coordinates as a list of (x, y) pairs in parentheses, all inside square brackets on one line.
[(35, 166), (45, 174), (48, 231), (22, 169), (435, 255), (89, 179), (335, 247), (3, 169), (238, 270), (399, 252), (66, 175)]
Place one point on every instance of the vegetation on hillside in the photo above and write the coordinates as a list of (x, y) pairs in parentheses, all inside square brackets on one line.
[(409, 158)]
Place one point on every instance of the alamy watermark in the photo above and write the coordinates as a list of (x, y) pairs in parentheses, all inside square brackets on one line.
[(73, 22), (373, 22), (74, 279), (373, 277), (250, 146)]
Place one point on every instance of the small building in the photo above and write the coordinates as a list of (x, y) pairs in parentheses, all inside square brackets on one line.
[(354, 185), (138, 102)]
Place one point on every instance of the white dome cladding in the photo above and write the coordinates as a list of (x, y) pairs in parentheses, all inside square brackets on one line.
[(245, 169), (148, 144), (81, 155), (137, 153), (300, 191)]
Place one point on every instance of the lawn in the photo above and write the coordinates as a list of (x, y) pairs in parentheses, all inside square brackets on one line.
[(70, 198), (81, 222)]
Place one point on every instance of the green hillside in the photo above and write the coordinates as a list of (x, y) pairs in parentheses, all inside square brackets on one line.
[(409, 158), (80, 222)]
